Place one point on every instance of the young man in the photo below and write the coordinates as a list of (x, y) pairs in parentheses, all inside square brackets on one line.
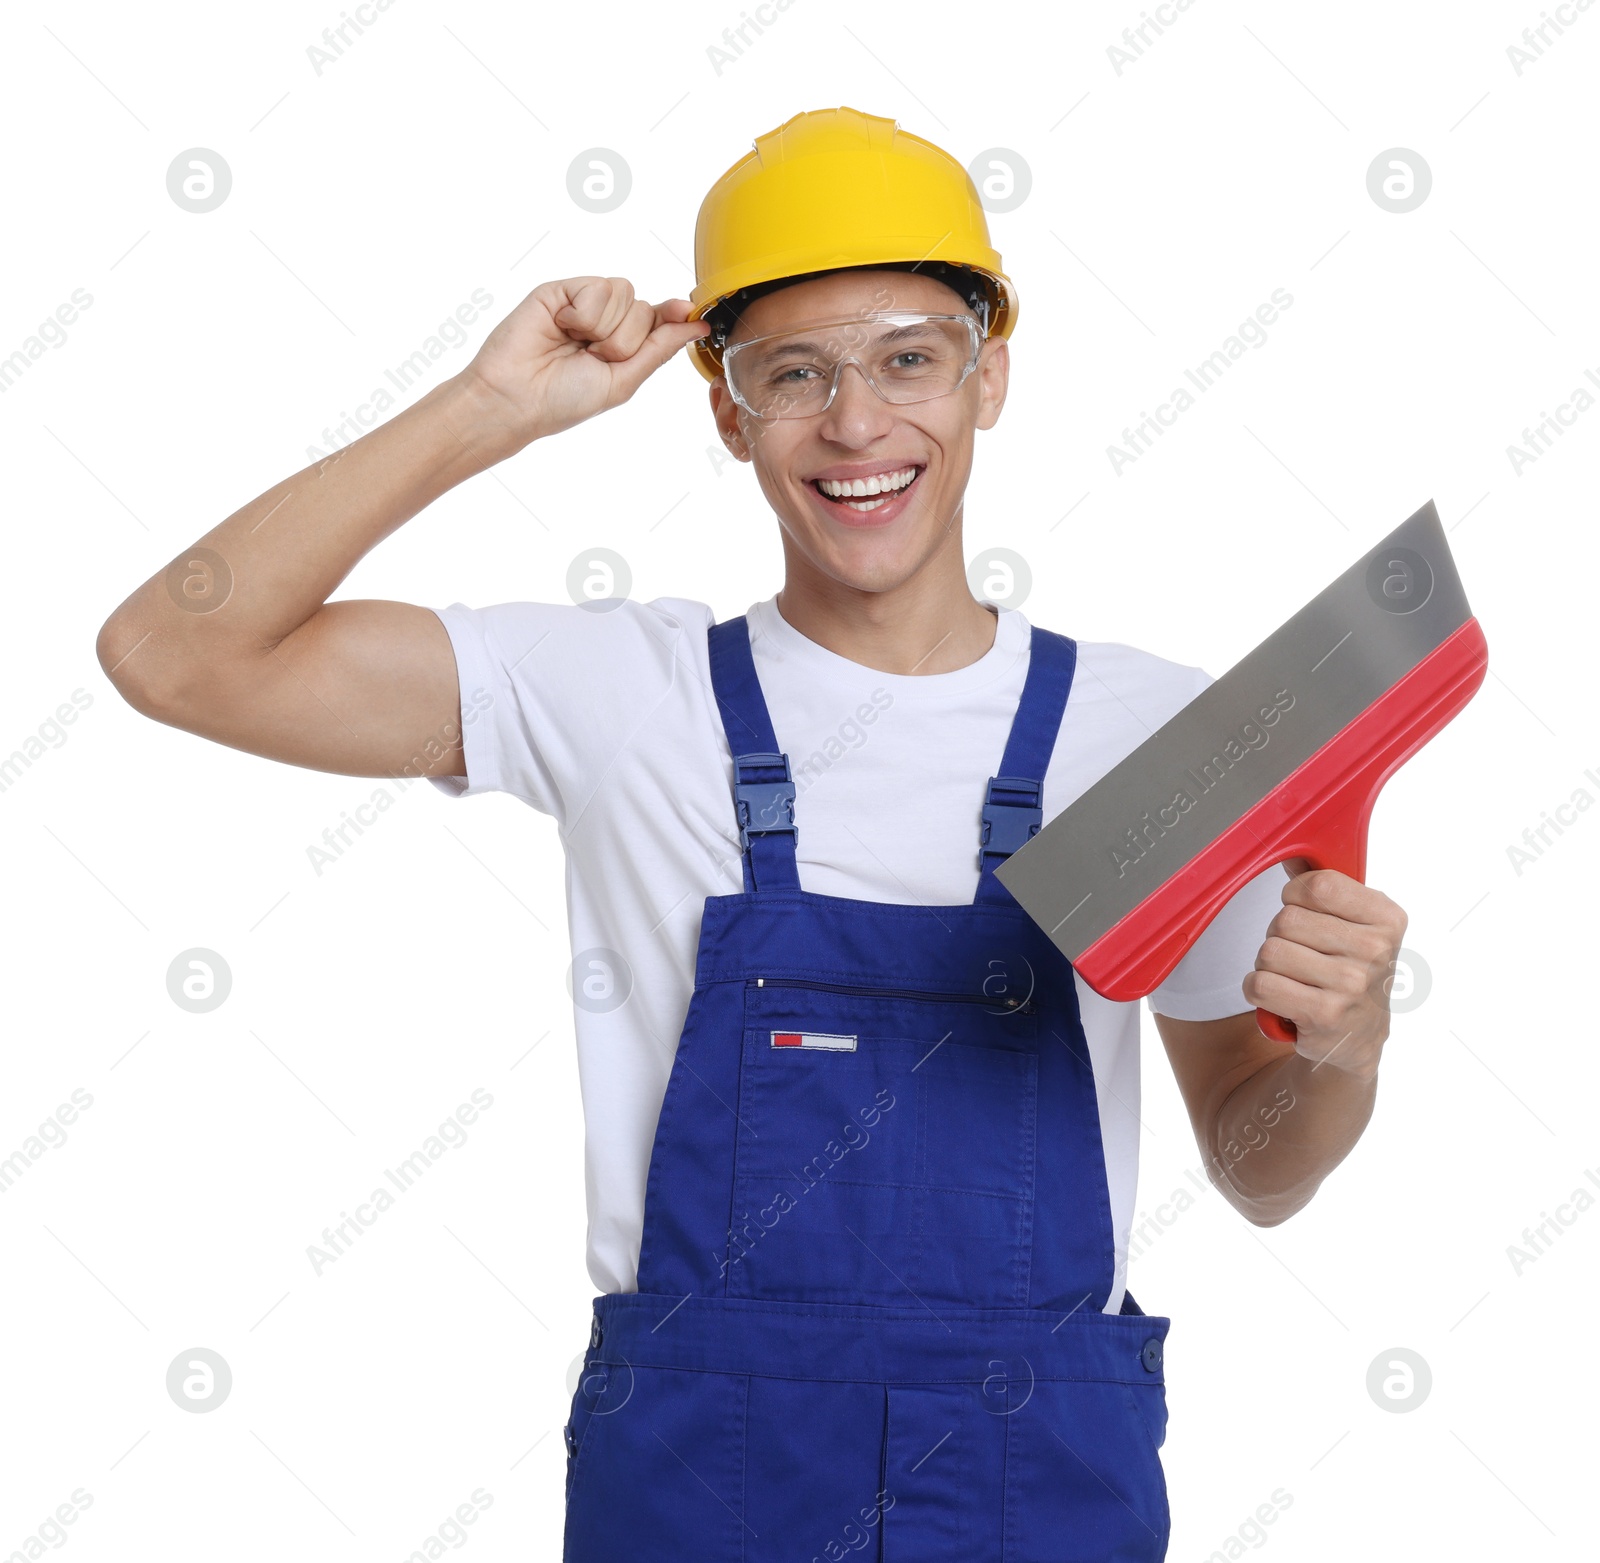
[(860, 1147)]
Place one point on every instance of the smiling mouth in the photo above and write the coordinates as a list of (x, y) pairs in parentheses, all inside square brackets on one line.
[(864, 494)]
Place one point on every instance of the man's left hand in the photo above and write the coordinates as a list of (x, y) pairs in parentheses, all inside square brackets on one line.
[(1327, 964)]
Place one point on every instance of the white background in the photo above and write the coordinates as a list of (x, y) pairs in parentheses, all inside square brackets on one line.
[(368, 202)]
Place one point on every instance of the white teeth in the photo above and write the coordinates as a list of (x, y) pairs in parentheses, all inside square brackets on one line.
[(881, 483)]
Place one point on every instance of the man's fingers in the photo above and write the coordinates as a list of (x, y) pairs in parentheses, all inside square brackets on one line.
[(667, 338), (1306, 1006), (627, 335), (643, 337), (601, 317), (579, 317), (1331, 935), (595, 308), (1288, 959), (1327, 890)]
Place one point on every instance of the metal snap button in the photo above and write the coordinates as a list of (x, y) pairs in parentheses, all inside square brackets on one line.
[(594, 1332), (1150, 1355)]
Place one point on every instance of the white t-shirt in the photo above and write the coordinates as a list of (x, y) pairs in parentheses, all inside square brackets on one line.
[(607, 721)]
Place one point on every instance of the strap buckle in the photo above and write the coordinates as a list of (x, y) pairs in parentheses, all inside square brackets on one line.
[(764, 806), (1011, 816)]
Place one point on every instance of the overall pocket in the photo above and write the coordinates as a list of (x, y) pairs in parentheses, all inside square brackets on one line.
[(1083, 1479), (587, 1398), (1150, 1401), (660, 1470), (886, 1145)]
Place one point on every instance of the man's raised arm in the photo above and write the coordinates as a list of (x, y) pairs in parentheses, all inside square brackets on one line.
[(236, 641)]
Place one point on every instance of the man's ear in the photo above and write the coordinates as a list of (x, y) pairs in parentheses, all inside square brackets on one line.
[(725, 413), (994, 376)]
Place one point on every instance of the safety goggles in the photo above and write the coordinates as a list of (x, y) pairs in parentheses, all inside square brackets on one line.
[(904, 357)]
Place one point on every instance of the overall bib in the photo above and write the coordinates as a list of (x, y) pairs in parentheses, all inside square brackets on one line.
[(877, 1238)]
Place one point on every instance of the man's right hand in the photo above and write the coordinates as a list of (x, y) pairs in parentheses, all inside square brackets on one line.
[(572, 349)]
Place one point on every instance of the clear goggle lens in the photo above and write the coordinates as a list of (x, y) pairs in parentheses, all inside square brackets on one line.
[(904, 357)]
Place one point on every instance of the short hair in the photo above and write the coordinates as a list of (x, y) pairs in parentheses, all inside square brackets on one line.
[(974, 289)]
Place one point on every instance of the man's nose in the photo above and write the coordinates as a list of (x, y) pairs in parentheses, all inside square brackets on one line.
[(857, 411)]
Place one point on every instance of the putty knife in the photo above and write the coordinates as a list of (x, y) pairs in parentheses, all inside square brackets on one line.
[(1281, 757)]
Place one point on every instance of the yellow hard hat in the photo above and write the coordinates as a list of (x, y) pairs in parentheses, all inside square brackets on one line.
[(834, 189)]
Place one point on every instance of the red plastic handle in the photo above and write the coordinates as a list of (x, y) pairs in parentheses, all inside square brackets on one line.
[(1274, 1027), (1333, 832), (1344, 848), (1319, 812)]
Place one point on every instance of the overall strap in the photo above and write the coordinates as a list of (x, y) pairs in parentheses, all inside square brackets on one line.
[(1013, 803), (763, 790)]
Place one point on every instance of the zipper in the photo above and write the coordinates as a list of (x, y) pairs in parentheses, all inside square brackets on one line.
[(1015, 1006)]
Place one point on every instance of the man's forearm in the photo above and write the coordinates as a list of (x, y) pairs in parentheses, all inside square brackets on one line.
[(1283, 1130), (283, 554)]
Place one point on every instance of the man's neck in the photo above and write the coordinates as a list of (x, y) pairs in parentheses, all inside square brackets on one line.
[(913, 630)]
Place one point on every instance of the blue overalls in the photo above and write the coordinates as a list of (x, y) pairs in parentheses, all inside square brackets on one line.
[(877, 1238)]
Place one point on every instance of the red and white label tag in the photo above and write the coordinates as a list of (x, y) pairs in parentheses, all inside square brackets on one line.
[(822, 1039)]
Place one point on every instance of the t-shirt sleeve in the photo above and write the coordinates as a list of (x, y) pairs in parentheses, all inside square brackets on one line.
[(551, 693), (1207, 984)]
